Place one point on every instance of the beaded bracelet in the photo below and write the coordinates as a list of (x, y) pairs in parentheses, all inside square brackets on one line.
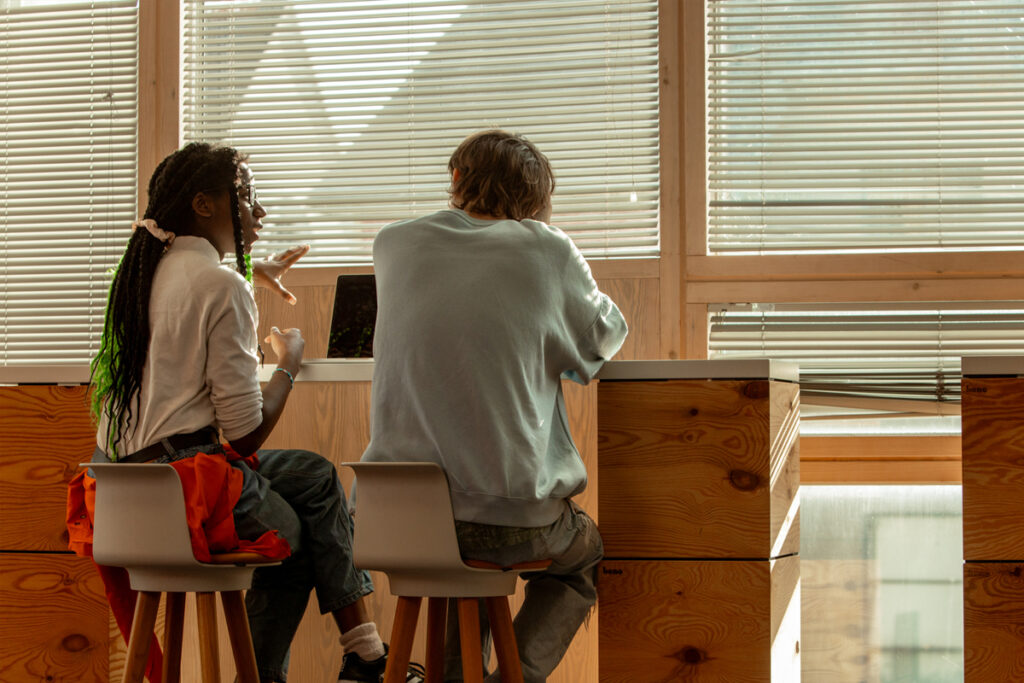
[(288, 375)]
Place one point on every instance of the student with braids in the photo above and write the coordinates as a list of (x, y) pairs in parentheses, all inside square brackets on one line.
[(178, 364)]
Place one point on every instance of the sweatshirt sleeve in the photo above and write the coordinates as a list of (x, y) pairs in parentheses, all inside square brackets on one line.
[(231, 362), (602, 327)]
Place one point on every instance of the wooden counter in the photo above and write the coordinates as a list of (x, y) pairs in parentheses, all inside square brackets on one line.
[(328, 412)]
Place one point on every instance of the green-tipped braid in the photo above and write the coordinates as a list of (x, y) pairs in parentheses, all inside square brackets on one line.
[(100, 369), (248, 268)]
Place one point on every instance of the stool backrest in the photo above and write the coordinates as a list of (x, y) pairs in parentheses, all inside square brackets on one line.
[(140, 516), (404, 519)]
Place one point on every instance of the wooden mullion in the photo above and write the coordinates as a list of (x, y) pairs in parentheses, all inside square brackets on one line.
[(672, 136), (856, 291), (856, 266), (159, 85)]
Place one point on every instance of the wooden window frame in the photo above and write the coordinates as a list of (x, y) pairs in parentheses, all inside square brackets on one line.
[(688, 278)]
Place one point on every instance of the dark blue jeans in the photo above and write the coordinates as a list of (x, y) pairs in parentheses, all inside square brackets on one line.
[(298, 494)]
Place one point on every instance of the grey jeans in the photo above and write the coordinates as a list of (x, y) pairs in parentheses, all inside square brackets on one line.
[(557, 600), (297, 493)]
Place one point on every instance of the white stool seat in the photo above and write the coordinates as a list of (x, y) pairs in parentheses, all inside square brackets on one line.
[(405, 528), (140, 524)]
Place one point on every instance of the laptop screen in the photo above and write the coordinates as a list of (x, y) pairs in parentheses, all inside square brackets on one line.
[(355, 314)]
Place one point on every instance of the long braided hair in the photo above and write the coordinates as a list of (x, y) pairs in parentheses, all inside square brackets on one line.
[(116, 371)]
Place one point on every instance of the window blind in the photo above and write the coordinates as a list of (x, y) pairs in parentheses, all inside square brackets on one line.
[(350, 110), (67, 171), (871, 352), (839, 126)]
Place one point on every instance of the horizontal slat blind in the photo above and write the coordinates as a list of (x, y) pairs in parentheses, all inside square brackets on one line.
[(67, 172), (872, 125), (889, 351), (350, 110)]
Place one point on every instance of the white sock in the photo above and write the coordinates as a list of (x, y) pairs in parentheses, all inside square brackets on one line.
[(364, 641)]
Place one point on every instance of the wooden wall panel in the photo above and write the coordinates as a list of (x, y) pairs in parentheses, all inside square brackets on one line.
[(993, 450), (993, 622), (55, 624), (880, 459), (45, 431), (701, 621), (311, 314), (638, 300), (694, 469)]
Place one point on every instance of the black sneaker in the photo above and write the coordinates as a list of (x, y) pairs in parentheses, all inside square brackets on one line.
[(355, 669)]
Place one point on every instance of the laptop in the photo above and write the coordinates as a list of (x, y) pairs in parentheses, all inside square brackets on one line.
[(355, 314)]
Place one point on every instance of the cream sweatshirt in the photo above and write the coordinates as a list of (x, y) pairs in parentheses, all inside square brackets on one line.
[(201, 368)]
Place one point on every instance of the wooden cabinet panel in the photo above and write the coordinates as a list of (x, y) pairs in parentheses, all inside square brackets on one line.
[(729, 621), (701, 468), (55, 620), (993, 622), (992, 414), (45, 431)]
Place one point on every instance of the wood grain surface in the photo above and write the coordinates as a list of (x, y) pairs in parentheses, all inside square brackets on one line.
[(54, 625), (638, 299), (701, 469), (729, 621), (992, 434), (993, 622), (45, 431), (784, 468)]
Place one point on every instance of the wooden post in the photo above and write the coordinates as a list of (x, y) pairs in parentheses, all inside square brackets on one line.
[(992, 434)]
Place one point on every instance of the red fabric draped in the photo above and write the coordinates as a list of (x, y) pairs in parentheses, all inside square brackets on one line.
[(212, 488)]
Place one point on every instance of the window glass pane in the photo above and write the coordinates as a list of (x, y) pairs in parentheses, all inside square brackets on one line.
[(350, 110), (838, 126), (882, 584), (68, 93)]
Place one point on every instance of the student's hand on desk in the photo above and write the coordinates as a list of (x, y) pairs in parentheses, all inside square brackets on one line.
[(269, 271)]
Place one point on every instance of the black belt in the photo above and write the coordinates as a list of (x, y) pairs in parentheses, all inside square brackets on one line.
[(172, 444)]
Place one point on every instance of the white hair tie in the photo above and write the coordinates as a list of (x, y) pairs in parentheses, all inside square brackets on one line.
[(150, 225)]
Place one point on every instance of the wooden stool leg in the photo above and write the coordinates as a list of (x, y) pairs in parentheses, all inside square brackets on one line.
[(206, 611), (174, 625), (504, 640), (437, 616), (142, 633), (469, 635), (240, 636), (402, 634)]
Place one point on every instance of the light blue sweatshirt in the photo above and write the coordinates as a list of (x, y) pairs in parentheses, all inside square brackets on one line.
[(477, 322)]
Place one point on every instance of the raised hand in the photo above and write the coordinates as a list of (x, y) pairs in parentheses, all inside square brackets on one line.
[(268, 272)]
